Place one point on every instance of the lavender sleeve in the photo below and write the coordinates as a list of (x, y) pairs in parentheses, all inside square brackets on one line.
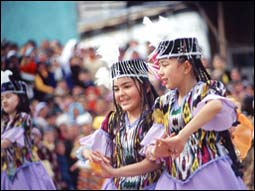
[(15, 134), (98, 141), (156, 131), (224, 119)]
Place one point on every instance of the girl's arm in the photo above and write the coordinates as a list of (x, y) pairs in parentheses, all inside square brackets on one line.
[(207, 113), (176, 143), (139, 168), (5, 143)]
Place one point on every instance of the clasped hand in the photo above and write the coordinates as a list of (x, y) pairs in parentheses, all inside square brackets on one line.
[(168, 146), (102, 165)]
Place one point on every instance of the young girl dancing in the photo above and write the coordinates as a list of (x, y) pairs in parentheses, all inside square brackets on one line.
[(20, 170), (191, 126)]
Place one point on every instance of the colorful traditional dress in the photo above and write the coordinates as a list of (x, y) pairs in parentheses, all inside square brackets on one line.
[(204, 163), (20, 169), (121, 143)]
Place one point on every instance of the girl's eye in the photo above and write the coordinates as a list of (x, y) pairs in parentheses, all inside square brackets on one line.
[(115, 89), (164, 64)]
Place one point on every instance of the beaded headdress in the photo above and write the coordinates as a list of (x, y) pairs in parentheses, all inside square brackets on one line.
[(115, 68), (129, 68), (178, 47), (7, 85)]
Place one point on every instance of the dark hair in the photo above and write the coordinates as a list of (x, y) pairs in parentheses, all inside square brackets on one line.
[(227, 142), (198, 68), (147, 98), (24, 104), (247, 107)]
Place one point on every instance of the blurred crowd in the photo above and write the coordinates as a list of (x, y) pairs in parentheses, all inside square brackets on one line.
[(67, 104)]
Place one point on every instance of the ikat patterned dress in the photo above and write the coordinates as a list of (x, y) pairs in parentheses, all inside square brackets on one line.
[(204, 163), (121, 143), (20, 168)]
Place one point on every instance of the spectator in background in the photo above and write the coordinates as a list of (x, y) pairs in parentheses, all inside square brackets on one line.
[(75, 66), (85, 79), (64, 165), (220, 71), (92, 62), (12, 63), (44, 83)]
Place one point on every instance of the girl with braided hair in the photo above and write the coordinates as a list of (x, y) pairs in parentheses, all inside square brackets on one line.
[(195, 115), (20, 168), (190, 131), (117, 142)]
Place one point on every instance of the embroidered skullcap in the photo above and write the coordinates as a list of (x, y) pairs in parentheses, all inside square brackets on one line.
[(8, 85), (178, 47), (129, 68)]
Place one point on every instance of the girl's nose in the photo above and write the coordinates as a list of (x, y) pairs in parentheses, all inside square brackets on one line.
[(160, 72), (121, 91)]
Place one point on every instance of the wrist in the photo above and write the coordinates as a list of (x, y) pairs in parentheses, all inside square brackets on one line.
[(184, 135), (114, 173), (149, 154)]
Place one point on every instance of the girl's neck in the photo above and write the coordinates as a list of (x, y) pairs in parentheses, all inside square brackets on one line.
[(133, 116), (185, 88), (12, 115)]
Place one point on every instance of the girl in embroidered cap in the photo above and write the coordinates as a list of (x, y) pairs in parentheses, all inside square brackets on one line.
[(191, 121), (19, 167), (195, 116), (122, 130)]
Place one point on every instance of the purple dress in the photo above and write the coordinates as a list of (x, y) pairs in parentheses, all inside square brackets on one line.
[(122, 146), (204, 162), (20, 170)]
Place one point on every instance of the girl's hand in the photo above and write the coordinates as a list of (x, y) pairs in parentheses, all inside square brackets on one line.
[(86, 153), (107, 171), (160, 149), (169, 147), (96, 156), (101, 165)]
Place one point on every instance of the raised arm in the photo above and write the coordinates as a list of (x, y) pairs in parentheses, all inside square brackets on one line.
[(173, 146)]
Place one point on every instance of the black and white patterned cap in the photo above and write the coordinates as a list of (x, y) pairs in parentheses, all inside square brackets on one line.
[(8, 85), (178, 47), (17, 87), (129, 68)]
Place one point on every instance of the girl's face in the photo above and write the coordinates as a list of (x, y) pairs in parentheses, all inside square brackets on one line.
[(171, 72), (126, 94), (9, 102)]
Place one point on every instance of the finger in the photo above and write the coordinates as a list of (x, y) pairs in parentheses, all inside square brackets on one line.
[(158, 143), (106, 160), (97, 153), (172, 134), (164, 136), (95, 158)]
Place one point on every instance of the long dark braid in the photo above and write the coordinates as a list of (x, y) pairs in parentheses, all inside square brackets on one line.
[(198, 68), (227, 142), (202, 75)]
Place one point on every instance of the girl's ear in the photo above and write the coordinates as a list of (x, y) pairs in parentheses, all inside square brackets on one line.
[(187, 67), (147, 89)]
